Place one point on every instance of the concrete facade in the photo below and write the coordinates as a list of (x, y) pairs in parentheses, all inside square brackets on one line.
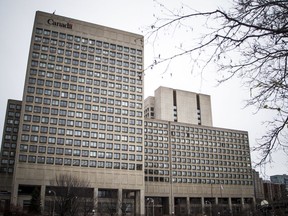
[(258, 187), (192, 169), (9, 143), (179, 106), (82, 108)]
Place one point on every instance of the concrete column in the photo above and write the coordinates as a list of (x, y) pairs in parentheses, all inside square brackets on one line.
[(95, 201), (42, 197), (188, 205), (171, 205), (140, 203), (230, 205), (203, 204), (14, 195), (120, 201), (216, 201)]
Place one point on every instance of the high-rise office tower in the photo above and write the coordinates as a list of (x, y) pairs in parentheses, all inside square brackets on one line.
[(82, 109)]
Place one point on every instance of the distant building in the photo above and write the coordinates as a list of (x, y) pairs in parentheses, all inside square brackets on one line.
[(281, 179), (273, 191), (258, 187)]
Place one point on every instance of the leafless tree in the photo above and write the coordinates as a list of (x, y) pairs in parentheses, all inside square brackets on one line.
[(72, 195), (248, 41)]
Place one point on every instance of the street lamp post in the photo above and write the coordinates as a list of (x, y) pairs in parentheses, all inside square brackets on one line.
[(54, 193)]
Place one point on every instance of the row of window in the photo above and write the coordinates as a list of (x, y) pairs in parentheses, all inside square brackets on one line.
[(6, 170), (12, 121), (190, 137), (9, 137), (79, 143), (190, 144), (8, 153), (79, 133), (81, 115), (88, 73), (13, 106), (10, 129), (206, 149), (88, 98), (156, 125), (86, 88), (74, 70), (84, 41), (197, 174), (8, 145), (80, 106), (211, 138), (185, 156), (78, 124), (112, 99), (99, 81), (82, 80), (198, 181), (80, 52), (180, 167), (7, 162), (197, 161), (13, 114), (78, 162), (204, 141), (207, 131), (84, 64), (82, 153)]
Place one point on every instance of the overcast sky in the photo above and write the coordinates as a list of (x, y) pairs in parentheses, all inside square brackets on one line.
[(16, 21)]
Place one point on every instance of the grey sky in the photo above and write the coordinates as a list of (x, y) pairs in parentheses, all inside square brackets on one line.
[(16, 20)]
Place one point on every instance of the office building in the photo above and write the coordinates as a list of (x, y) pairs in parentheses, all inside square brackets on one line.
[(258, 187), (273, 191), (83, 116), (192, 169), (280, 179), (9, 137), (82, 110)]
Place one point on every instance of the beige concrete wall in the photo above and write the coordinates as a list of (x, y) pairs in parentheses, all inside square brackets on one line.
[(206, 111), (164, 104), (97, 178), (5, 182), (197, 190), (186, 107)]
